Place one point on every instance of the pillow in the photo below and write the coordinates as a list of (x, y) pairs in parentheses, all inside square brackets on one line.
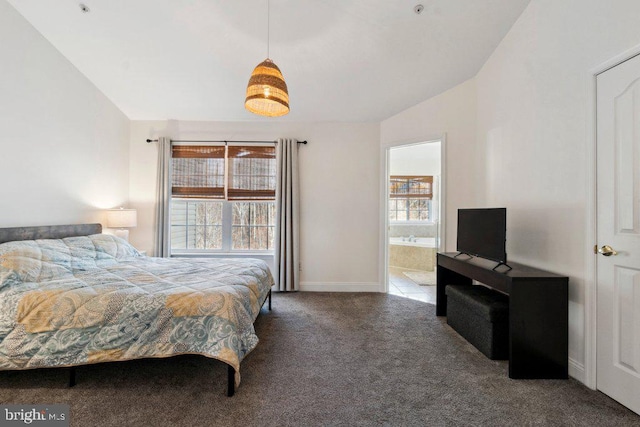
[(32, 263), (8, 278), (47, 259), (107, 245)]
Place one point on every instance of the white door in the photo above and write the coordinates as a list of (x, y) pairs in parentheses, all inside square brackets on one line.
[(618, 207)]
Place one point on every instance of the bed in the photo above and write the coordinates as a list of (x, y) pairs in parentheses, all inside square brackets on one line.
[(71, 296)]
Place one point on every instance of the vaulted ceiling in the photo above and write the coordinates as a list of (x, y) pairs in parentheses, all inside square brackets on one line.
[(343, 60)]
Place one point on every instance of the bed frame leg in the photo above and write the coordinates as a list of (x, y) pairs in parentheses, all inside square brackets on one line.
[(269, 299), (231, 380), (72, 376)]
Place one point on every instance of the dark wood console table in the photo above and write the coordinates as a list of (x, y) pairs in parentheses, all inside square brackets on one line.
[(538, 311)]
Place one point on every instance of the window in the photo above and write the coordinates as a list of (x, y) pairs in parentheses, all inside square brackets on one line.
[(410, 198), (223, 198), (196, 224), (253, 226)]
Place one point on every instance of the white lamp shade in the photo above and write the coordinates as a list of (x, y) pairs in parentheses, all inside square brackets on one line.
[(122, 218)]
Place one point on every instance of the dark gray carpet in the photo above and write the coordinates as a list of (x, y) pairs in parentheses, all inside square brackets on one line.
[(325, 359)]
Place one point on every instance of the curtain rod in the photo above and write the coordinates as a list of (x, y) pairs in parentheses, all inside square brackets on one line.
[(242, 142)]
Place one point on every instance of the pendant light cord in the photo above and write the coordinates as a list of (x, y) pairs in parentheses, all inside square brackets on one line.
[(268, 27)]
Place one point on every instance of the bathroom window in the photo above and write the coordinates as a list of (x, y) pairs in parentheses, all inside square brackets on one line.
[(410, 198), (409, 209)]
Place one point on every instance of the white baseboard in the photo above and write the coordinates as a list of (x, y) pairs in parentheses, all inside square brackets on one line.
[(576, 370), (339, 287)]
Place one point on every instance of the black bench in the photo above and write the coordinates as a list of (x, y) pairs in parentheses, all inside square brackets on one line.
[(481, 316)]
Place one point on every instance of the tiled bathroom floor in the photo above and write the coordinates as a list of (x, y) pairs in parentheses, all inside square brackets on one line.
[(401, 285)]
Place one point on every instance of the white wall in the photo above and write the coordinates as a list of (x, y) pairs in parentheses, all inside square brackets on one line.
[(532, 134), (453, 113), (338, 183), (518, 136), (421, 159), (64, 144)]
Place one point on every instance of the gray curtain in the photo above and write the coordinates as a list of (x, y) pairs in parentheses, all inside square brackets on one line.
[(287, 237), (163, 197)]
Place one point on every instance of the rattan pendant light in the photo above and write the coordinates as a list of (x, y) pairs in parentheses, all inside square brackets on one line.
[(267, 93)]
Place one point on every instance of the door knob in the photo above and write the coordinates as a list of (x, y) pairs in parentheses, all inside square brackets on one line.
[(607, 250)]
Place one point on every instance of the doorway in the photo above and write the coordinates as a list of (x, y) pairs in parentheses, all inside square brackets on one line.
[(413, 219)]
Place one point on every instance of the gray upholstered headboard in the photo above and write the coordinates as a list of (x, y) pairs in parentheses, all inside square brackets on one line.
[(48, 232)]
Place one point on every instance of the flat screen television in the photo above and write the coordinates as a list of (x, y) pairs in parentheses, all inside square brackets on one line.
[(483, 233)]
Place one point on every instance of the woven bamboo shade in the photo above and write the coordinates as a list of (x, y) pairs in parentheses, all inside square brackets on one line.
[(267, 93)]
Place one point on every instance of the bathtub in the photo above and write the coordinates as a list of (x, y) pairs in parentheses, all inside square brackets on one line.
[(421, 242), (418, 254)]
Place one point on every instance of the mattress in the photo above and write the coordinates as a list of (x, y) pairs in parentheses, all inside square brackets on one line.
[(91, 299)]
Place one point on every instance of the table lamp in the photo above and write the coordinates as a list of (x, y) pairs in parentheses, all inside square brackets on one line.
[(121, 219)]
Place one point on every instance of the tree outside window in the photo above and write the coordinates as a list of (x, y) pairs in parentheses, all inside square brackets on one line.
[(410, 198), (223, 198)]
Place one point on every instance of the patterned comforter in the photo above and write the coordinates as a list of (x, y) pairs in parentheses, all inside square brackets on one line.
[(93, 299)]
